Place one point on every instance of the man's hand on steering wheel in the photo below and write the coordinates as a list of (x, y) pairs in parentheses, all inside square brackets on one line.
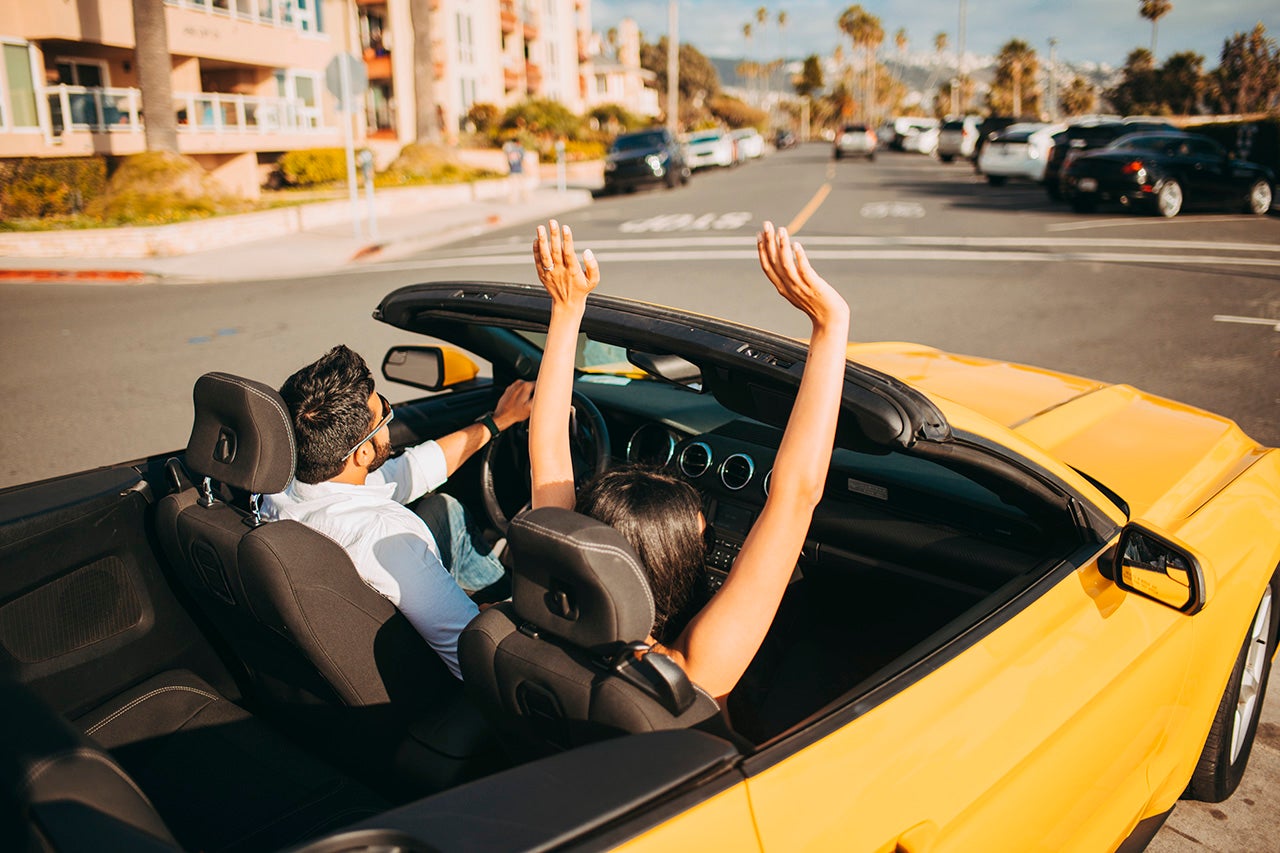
[(515, 404)]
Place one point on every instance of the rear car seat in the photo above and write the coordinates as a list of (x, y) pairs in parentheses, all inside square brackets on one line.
[(167, 764)]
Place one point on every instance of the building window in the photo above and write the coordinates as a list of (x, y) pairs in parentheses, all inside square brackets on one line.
[(81, 72), (17, 89), (466, 43)]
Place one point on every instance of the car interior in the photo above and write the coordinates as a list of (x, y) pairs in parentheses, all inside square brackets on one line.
[(232, 684)]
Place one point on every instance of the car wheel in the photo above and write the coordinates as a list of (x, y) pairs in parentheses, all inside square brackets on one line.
[(1054, 191), (1258, 201), (946, 158), (1169, 199), (1083, 205), (871, 158), (996, 180), (672, 179), (837, 154), (1226, 751)]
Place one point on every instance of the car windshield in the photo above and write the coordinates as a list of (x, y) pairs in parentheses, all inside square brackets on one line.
[(595, 357), (635, 141), (1143, 143), (705, 137)]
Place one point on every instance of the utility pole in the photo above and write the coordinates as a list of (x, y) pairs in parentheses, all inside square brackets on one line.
[(964, 105), (1053, 79), (673, 68)]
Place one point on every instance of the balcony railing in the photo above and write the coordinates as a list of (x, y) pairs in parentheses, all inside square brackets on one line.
[(111, 110), (276, 13)]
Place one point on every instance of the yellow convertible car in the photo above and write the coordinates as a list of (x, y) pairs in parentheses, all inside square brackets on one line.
[(1032, 612)]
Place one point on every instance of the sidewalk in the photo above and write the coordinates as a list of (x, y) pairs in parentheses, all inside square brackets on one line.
[(311, 250)]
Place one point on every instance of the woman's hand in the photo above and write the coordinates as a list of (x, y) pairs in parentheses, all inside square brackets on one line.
[(567, 281), (786, 265)]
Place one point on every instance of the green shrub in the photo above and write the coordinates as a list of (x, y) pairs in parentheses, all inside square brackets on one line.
[(615, 119), (484, 116), (35, 188), (419, 163), (159, 187), (311, 166), (542, 116), (735, 113)]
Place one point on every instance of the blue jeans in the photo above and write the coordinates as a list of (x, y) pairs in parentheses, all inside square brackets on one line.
[(462, 549)]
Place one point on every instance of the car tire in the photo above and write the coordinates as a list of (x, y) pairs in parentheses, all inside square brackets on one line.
[(1083, 205), (1054, 191), (1258, 202), (672, 179), (996, 180), (871, 158), (1169, 199), (1226, 750), (946, 158), (837, 154)]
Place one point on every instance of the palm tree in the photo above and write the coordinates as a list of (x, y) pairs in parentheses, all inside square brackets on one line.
[(782, 40), (900, 40), (1153, 11), (151, 40), (1019, 59), (424, 73), (866, 33), (940, 42), (746, 37), (762, 24)]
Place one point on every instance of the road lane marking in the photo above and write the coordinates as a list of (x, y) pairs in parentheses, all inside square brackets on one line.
[(794, 226), (1252, 321), (1108, 223), (950, 256), (892, 210)]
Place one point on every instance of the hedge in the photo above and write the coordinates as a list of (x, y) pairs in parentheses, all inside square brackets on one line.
[(36, 188)]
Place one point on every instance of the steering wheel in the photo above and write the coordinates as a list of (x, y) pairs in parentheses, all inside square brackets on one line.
[(504, 474)]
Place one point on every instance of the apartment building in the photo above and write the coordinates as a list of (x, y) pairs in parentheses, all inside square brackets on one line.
[(248, 76)]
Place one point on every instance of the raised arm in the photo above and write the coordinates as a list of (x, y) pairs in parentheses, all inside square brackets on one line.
[(568, 283), (721, 640)]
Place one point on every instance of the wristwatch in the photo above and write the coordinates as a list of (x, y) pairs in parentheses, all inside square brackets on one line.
[(490, 424)]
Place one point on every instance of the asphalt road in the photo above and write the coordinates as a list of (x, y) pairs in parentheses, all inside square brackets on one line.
[(1187, 308)]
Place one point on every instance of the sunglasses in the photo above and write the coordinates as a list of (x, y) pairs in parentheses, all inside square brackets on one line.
[(387, 415)]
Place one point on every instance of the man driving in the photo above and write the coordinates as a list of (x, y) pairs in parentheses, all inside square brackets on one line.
[(426, 561)]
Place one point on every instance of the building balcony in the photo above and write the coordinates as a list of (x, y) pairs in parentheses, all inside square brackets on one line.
[(238, 121), (276, 13), (507, 16), (530, 31), (511, 78), (377, 65), (533, 74)]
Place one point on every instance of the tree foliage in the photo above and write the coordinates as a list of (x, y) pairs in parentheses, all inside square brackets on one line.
[(1078, 97), (1014, 90), (1177, 87), (810, 81), (1247, 79), (698, 77), (1153, 11)]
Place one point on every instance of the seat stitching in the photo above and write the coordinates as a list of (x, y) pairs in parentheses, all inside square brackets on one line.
[(705, 693), (628, 558), (243, 383), (144, 698), (81, 752)]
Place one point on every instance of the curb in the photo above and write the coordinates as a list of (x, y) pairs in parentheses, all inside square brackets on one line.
[(68, 276)]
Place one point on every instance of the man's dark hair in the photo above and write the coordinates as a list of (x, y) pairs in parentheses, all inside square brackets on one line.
[(657, 513), (328, 401)]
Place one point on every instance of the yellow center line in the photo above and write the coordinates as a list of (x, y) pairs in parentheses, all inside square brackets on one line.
[(794, 226)]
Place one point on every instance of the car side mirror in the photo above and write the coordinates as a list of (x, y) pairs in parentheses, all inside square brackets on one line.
[(429, 368), (1153, 566)]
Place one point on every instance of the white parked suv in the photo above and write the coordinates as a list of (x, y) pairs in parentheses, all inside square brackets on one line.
[(750, 143), (708, 148), (1019, 151), (958, 137)]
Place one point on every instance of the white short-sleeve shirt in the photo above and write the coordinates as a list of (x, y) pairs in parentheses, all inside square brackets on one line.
[(391, 547)]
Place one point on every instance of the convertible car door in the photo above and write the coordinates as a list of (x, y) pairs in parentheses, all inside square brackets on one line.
[(1042, 735)]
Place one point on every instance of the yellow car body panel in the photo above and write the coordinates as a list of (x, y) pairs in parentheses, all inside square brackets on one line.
[(722, 822)]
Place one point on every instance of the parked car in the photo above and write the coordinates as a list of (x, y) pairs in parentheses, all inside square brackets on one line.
[(898, 130), (921, 138), (1019, 151), (645, 157), (784, 139), (1165, 173), (708, 148), (989, 127), (1032, 612), (1087, 135), (750, 143), (855, 140), (958, 138)]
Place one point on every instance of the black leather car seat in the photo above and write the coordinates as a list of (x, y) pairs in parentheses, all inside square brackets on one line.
[(319, 647), (168, 764), (557, 665)]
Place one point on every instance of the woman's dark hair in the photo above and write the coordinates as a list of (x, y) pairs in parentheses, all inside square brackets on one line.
[(328, 402), (658, 514)]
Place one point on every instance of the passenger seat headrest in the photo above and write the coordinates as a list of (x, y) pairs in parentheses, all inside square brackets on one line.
[(242, 434), (578, 579)]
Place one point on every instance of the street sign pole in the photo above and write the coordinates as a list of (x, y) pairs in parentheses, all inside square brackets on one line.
[(344, 74)]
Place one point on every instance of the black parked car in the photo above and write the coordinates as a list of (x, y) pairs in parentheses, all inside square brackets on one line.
[(1089, 136), (647, 157), (1165, 172)]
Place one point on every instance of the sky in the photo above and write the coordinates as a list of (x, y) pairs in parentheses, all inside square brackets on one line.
[(1101, 31)]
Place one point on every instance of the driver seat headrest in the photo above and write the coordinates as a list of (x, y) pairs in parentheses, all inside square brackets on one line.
[(242, 434)]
